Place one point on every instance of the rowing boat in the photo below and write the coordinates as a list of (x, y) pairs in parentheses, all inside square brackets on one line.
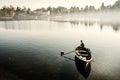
[(85, 71), (84, 55), (83, 59)]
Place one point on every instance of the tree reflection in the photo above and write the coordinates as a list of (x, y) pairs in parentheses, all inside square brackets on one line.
[(23, 25), (101, 27), (116, 27)]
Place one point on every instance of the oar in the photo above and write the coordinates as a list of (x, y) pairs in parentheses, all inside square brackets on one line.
[(68, 58), (62, 53)]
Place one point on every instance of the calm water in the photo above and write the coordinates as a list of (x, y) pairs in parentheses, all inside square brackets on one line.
[(31, 49)]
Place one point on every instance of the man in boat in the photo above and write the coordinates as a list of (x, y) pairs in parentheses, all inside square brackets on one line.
[(82, 44)]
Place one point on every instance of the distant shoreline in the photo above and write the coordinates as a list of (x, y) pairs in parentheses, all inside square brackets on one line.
[(103, 16)]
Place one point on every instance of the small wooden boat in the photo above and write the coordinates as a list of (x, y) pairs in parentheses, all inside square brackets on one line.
[(84, 55), (85, 71)]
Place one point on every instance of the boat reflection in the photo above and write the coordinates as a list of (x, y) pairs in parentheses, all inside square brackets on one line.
[(81, 67)]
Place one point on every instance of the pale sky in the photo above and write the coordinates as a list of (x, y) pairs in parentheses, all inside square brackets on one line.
[(33, 4)]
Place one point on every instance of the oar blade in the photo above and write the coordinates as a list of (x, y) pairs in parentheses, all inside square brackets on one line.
[(62, 53)]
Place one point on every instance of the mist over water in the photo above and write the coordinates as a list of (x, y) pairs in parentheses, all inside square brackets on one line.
[(31, 41), (99, 16), (31, 49)]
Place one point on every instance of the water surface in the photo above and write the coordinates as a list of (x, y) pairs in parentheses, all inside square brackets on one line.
[(31, 49)]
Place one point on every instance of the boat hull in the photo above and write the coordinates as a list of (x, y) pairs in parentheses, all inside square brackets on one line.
[(83, 60), (81, 67), (83, 54)]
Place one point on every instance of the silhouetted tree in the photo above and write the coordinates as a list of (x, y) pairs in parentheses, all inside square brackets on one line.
[(116, 5), (86, 8), (49, 9), (18, 10), (28, 11), (102, 7), (91, 8), (74, 9), (24, 10), (61, 9), (7, 11)]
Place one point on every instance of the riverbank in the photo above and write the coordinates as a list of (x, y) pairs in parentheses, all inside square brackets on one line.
[(103, 16)]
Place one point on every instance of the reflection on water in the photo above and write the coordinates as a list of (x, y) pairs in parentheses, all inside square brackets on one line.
[(18, 25), (31, 49), (81, 67)]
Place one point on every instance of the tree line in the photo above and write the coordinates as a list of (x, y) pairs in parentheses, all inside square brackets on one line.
[(12, 11)]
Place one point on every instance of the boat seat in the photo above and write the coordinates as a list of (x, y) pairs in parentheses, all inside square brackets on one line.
[(81, 51), (84, 55)]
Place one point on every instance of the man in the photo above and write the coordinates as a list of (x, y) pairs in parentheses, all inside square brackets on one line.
[(82, 44)]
